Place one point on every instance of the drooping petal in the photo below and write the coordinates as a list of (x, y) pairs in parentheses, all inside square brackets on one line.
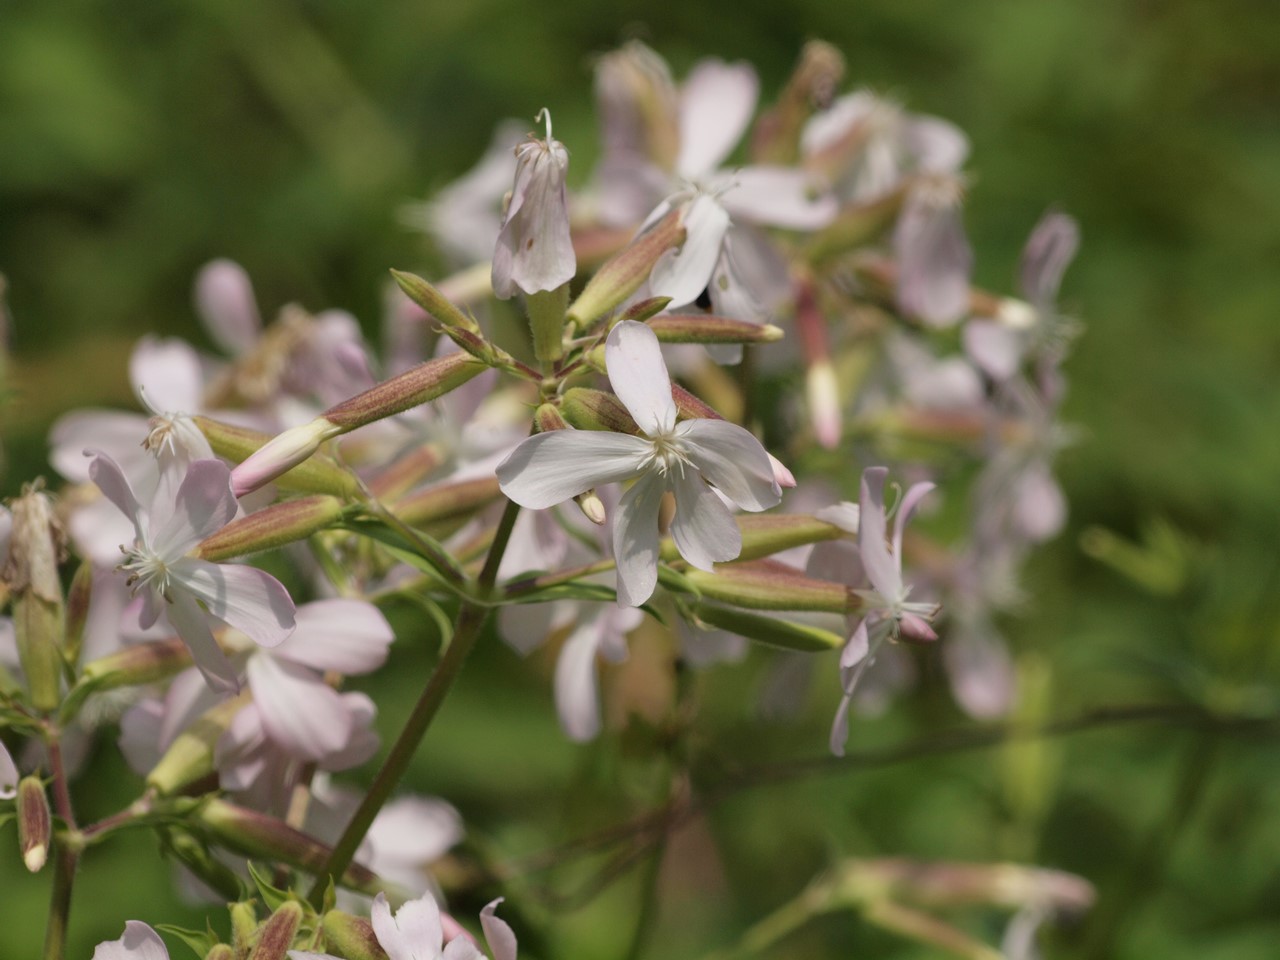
[(499, 936), (635, 540), (733, 459), (552, 467), (936, 145), (193, 627), (249, 599), (534, 250), (716, 103), (203, 505), (1049, 251), (882, 569), (139, 942), (683, 274), (910, 500), (349, 636), (639, 377), (840, 726), (300, 712), (576, 690), (166, 375), (226, 304), (111, 481), (703, 528), (779, 197)]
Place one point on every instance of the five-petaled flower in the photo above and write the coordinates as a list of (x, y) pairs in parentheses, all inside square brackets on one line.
[(680, 458)]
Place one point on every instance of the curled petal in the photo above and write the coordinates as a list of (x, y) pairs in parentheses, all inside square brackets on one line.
[(639, 377), (139, 942), (249, 599), (552, 467), (534, 250), (502, 942), (703, 528), (683, 274), (733, 459), (716, 103), (1049, 251), (635, 540), (225, 302), (910, 500)]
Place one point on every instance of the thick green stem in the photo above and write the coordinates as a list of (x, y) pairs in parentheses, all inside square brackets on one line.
[(66, 858), (471, 620)]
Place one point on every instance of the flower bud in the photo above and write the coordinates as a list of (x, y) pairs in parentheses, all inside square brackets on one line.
[(31, 573), (34, 824), (646, 308), (77, 614), (434, 302), (423, 383), (406, 472), (776, 138), (275, 937), (638, 105), (244, 926), (316, 475), (447, 501), (764, 534), (702, 328), (271, 527), (280, 454), (768, 630), (621, 276), (191, 755), (352, 936), (547, 418), (220, 951), (137, 664), (589, 409), (767, 585)]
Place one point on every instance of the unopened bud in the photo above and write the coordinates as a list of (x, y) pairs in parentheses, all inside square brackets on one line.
[(822, 390), (220, 951), (244, 926), (191, 755), (589, 409), (434, 302), (768, 630), (352, 936), (77, 614), (281, 453), (776, 139), (271, 527), (34, 823), (447, 501), (275, 937), (316, 475), (621, 276), (592, 507), (764, 534), (703, 328), (137, 664), (638, 103), (547, 418), (31, 572), (767, 585), (646, 308), (423, 383)]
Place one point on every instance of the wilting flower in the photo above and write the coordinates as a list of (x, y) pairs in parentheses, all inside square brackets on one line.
[(534, 251), (249, 599), (889, 611), (139, 942), (677, 457)]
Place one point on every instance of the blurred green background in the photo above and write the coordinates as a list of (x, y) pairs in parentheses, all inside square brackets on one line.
[(140, 140)]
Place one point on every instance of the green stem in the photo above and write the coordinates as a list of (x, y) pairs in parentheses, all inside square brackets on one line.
[(471, 619), (67, 857)]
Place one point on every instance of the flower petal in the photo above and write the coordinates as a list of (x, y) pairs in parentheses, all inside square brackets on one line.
[(363, 742), (193, 627), (576, 689), (639, 377), (415, 934), (302, 714), (934, 261), (703, 528), (349, 636), (501, 940), (225, 302), (552, 467), (139, 942), (716, 104), (733, 459), (1049, 251), (993, 347), (249, 599), (635, 540), (8, 775), (910, 500), (883, 570), (779, 197), (683, 274), (111, 481), (166, 375), (534, 250), (204, 504)]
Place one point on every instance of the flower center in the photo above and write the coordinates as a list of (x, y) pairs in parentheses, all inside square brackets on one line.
[(668, 453), (146, 569)]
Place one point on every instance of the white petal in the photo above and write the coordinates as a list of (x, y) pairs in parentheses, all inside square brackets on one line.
[(937, 145), (552, 467), (416, 830), (502, 942), (882, 569), (349, 636), (840, 727), (731, 458), (166, 375), (300, 712), (1049, 251), (779, 197), (461, 947), (8, 775), (204, 505), (635, 540), (534, 250), (114, 432), (397, 943), (193, 627), (716, 103), (683, 274), (111, 481), (417, 925), (186, 699), (1039, 507), (249, 599), (910, 500), (983, 678), (363, 742), (993, 347), (703, 528), (639, 377), (139, 942), (225, 302), (576, 691), (934, 262)]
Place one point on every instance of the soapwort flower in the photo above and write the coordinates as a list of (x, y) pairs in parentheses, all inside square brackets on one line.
[(680, 458), (139, 942), (170, 581)]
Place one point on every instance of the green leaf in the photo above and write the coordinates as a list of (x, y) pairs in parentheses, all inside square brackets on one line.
[(272, 896), (200, 943)]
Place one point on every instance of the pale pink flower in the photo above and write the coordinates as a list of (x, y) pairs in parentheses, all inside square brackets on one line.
[(681, 458), (139, 942)]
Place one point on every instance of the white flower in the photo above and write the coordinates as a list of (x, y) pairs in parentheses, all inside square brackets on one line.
[(139, 942), (669, 456)]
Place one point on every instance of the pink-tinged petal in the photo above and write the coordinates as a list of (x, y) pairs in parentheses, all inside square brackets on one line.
[(166, 375), (993, 347), (249, 599), (364, 740), (139, 736), (8, 775), (526, 626), (1039, 507), (461, 947), (837, 561), (99, 530), (639, 377), (982, 675), (910, 500), (415, 830), (934, 261), (576, 689), (840, 726), (226, 304), (779, 197), (204, 505), (1049, 251), (782, 474), (111, 481), (114, 432), (193, 627), (243, 754), (882, 569), (534, 250), (552, 467), (703, 528), (683, 274), (937, 145), (397, 944), (914, 628), (139, 942), (733, 459), (302, 714), (349, 636), (716, 104), (186, 699), (499, 936), (855, 650), (635, 540)]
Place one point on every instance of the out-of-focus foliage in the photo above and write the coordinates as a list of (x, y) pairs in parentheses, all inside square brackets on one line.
[(138, 140)]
